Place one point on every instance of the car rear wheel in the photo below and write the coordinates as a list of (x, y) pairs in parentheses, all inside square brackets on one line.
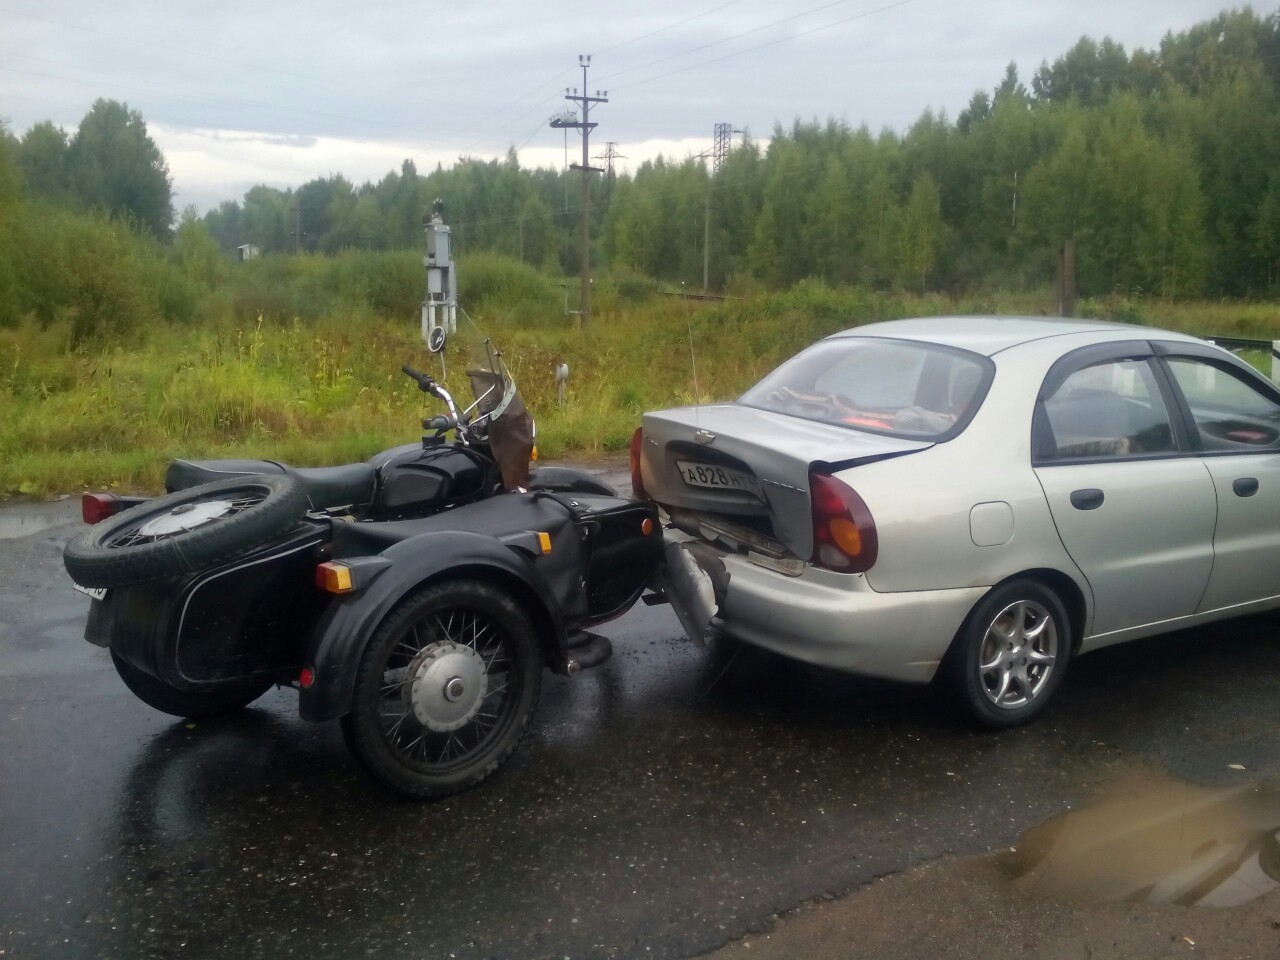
[(1011, 654)]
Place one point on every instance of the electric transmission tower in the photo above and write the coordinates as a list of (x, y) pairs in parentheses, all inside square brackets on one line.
[(584, 126), (721, 143), (610, 154)]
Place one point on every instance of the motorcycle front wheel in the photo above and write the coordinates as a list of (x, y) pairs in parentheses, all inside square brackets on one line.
[(445, 689), (185, 532)]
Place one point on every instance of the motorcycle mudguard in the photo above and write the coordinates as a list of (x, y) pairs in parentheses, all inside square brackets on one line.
[(342, 634)]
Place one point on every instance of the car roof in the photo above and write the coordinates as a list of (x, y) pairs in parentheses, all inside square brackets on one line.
[(989, 335)]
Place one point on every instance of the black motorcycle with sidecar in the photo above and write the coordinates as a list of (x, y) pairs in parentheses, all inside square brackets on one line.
[(426, 636)]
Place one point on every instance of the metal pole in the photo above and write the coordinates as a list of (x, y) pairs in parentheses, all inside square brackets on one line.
[(586, 205)]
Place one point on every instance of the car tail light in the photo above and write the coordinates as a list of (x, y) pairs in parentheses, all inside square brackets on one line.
[(96, 507), (637, 482), (844, 534)]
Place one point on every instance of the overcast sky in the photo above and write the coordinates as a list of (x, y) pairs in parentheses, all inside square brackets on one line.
[(282, 91)]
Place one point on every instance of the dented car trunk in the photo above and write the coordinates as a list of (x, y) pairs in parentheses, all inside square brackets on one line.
[(740, 475)]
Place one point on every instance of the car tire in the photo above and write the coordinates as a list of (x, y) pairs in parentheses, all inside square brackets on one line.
[(187, 703), (151, 542), (1010, 656), (445, 689)]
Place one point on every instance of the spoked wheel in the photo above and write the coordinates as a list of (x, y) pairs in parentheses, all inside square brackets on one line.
[(185, 532), (445, 689), (1011, 654)]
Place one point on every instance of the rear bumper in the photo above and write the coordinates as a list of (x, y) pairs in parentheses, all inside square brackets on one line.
[(837, 620)]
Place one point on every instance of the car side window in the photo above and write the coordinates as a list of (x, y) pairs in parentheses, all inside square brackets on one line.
[(1113, 409), (1230, 414)]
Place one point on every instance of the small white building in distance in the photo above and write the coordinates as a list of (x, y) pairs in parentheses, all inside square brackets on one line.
[(247, 251)]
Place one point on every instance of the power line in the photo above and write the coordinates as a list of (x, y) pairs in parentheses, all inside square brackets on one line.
[(770, 43), (670, 26), (716, 43)]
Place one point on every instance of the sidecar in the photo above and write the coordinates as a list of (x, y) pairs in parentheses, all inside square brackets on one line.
[(426, 638)]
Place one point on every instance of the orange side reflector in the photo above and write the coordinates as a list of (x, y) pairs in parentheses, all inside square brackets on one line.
[(646, 527), (544, 540), (334, 578)]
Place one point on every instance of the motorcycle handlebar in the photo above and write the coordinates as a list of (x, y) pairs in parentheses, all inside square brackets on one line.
[(424, 380), (427, 384)]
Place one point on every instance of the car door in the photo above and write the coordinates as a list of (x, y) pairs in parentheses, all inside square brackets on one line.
[(1134, 507), (1235, 421)]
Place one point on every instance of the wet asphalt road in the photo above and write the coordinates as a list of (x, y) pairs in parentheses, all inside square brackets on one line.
[(670, 801)]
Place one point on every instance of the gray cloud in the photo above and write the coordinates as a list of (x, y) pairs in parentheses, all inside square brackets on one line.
[(440, 80)]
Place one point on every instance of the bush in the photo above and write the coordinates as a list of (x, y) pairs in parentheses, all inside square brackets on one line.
[(492, 283)]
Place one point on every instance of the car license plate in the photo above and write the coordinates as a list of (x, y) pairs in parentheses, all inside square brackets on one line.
[(712, 477), (97, 593)]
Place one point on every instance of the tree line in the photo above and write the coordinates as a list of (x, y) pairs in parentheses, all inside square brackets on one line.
[(1161, 165)]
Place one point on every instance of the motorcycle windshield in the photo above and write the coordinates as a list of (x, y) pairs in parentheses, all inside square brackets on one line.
[(510, 428)]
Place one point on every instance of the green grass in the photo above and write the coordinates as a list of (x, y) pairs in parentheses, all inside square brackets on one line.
[(109, 412)]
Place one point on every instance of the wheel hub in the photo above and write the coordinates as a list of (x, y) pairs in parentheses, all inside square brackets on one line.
[(1018, 654), (448, 683), (186, 516)]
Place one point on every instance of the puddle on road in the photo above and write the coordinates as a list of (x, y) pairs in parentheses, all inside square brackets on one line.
[(13, 526), (25, 519), (1156, 840)]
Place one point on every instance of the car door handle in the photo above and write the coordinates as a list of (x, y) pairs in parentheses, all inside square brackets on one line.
[(1088, 499), (1245, 486)]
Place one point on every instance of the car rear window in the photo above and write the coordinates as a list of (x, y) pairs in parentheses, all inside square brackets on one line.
[(896, 387)]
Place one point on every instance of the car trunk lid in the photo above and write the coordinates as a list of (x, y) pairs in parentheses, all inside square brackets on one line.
[(744, 472)]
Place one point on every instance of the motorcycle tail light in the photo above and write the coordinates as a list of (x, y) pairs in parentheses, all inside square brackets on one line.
[(307, 678), (844, 533), (637, 482), (333, 577), (96, 507)]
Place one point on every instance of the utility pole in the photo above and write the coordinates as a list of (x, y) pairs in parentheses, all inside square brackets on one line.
[(722, 140), (584, 126)]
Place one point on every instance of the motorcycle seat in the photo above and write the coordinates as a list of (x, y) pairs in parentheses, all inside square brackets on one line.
[(349, 484)]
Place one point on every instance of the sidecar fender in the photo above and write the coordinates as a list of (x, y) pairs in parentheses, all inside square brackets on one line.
[(341, 635)]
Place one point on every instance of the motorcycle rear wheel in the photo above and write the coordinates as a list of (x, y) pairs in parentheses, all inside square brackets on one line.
[(187, 703), (445, 689), (185, 532)]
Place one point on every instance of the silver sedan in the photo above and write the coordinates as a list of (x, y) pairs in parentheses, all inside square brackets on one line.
[(974, 498)]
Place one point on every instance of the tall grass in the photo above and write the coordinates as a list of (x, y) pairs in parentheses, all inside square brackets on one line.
[(298, 359)]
